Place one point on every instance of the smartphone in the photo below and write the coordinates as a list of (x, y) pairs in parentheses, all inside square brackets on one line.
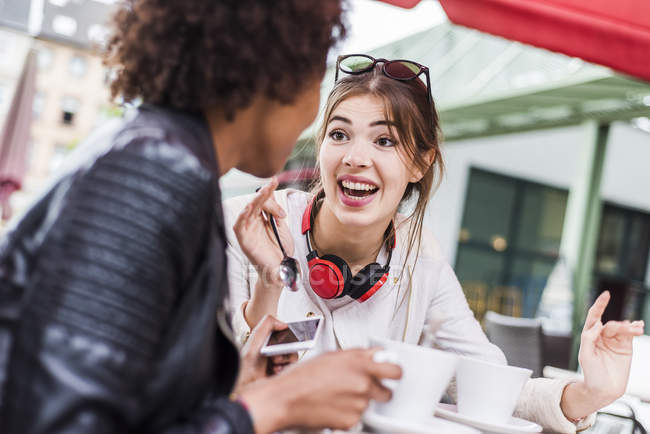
[(298, 336)]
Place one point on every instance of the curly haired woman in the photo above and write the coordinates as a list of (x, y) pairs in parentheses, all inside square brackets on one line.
[(110, 283)]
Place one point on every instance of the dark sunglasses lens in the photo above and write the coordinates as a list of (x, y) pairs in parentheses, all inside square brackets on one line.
[(402, 70), (354, 64)]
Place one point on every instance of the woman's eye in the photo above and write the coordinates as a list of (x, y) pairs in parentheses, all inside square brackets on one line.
[(385, 142), (338, 135)]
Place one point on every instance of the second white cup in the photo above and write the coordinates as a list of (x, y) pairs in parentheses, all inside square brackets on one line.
[(488, 391)]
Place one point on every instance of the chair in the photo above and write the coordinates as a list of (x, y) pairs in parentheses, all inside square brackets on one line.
[(520, 339), (556, 349), (621, 417)]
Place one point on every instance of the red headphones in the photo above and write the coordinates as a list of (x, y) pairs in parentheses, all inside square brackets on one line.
[(330, 277)]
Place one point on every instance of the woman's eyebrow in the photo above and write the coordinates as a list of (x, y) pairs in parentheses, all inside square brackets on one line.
[(340, 118), (383, 122)]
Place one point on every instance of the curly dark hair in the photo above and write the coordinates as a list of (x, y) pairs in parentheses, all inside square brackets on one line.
[(193, 54)]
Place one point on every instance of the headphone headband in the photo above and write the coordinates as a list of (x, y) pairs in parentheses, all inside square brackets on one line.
[(308, 215), (330, 276)]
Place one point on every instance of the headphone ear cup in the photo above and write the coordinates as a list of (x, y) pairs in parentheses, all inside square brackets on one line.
[(366, 278), (329, 276)]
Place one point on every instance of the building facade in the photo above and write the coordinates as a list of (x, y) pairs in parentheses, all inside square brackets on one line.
[(72, 97), (72, 90)]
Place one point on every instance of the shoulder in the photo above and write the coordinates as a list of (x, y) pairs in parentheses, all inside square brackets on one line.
[(150, 169), (181, 142)]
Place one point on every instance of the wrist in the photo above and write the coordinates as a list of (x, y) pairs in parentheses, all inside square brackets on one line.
[(578, 402), (267, 410), (268, 278), (264, 301), (573, 397)]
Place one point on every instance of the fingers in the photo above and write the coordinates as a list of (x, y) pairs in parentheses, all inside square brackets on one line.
[(284, 358), (381, 370), (591, 334), (261, 331), (622, 329), (368, 374), (379, 392), (595, 312), (271, 206), (277, 364), (255, 207)]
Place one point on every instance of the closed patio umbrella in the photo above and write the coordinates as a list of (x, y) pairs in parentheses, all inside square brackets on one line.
[(15, 134), (611, 33)]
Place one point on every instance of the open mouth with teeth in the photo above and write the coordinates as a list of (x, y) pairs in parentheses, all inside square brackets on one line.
[(357, 190)]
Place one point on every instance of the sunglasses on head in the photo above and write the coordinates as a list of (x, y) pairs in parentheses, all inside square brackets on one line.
[(400, 69)]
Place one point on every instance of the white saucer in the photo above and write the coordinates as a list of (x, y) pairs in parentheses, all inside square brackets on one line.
[(514, 426), (386, 424)]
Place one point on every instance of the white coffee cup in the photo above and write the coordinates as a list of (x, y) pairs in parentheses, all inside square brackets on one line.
[(426, 372), (489, 391)]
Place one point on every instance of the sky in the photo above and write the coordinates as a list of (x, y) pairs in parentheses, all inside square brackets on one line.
[(373, 23)]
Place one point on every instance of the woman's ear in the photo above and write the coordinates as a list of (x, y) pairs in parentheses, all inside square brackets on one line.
[(417, 174)]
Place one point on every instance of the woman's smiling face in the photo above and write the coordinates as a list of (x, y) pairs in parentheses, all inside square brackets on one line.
[(363, 166)]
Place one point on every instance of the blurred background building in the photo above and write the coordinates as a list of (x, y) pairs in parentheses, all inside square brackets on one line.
[(71, 91)]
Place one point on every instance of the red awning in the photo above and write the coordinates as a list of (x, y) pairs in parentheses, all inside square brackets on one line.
[(611, 33), (408, 4)]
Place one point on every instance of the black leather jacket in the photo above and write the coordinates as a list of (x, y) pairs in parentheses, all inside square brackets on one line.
[(120, 269)]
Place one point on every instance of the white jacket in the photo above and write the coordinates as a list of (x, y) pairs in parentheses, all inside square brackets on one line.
[(416, 294)]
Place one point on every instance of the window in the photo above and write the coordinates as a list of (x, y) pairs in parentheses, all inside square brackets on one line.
[(38, 104), (98, 34), (78, 66), (31, 153), (45, 58), (624, 243), (4, 49), (64, 25), (69, 108), (509, 241), (60, 153), (622, 261)]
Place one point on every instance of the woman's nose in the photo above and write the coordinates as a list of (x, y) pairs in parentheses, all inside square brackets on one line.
[(357, 155)]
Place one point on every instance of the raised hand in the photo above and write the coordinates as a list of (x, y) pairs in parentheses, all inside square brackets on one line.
[(258, 242), (255, 234), (254, 365), (605, 357), (606, 350)]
